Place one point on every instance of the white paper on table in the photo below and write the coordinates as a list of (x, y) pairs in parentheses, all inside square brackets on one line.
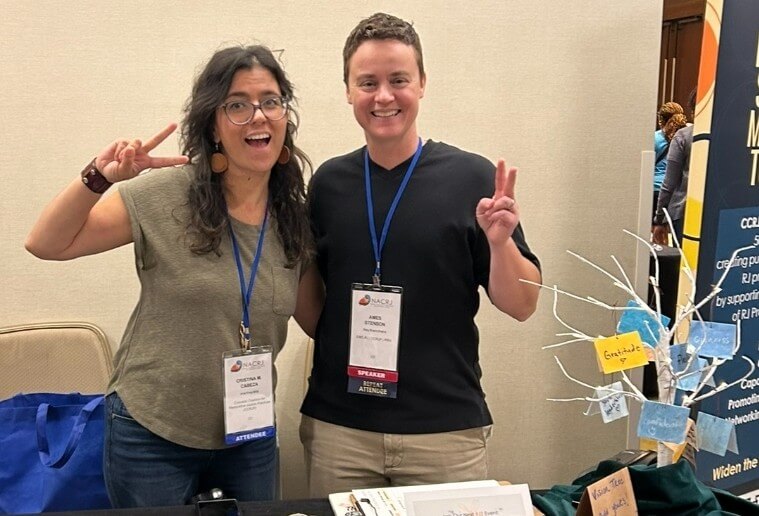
[(389, 501), (510, 500)]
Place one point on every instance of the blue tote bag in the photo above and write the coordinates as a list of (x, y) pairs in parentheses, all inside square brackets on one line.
[(51, 453)]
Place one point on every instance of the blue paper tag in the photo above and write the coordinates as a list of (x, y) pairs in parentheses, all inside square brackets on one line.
[(663, 422), (678, 353), (692, 377), (712, 339), (715, 435), (688, 380), (636, 319)]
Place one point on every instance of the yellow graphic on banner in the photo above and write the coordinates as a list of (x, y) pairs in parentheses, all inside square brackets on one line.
[(620, 352), (702, 126)]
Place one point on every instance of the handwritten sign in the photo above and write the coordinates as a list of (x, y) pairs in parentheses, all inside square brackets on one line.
[(635, 318), (663, 422), (712, 339), (610, 496), (612, 404), (620, 352), (715, 435)]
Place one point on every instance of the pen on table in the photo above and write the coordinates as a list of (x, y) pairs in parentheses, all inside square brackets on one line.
[(356, 504)]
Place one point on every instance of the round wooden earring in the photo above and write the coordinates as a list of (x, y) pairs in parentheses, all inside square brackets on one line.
[(219, 163)]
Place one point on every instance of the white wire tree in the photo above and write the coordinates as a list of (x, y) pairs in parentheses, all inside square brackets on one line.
[(668, 376)]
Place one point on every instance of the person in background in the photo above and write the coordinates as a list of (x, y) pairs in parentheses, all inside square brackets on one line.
[(406, 232), (670, 118), (674, 188), (223, 251)]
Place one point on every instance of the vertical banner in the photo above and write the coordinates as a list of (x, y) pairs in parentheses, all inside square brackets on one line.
[(722, 215)]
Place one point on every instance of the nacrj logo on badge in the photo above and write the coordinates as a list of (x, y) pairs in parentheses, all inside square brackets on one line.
[(236, 366), (376, 302)]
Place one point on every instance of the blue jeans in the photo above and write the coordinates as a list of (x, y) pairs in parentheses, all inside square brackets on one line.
[(144, 470)]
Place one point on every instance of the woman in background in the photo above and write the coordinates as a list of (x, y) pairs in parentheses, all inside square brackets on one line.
[(670, 118), (674, 188)]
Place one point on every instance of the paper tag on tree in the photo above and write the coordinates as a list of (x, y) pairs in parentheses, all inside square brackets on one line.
[(636, 318), (620, 352), (613, 405), (715, 435), (712, 339), (666, 423)]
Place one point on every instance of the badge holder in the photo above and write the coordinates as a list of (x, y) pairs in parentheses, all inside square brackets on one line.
[(374, 338), (247, 377)]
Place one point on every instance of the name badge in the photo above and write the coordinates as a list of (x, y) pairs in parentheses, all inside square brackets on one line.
[(374, 339), (248, 395)]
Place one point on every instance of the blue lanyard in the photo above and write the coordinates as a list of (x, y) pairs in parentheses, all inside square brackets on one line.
[(370, 209), (246, 292)]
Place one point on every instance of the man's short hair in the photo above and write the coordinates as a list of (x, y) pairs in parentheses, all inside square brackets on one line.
[(381, 26)]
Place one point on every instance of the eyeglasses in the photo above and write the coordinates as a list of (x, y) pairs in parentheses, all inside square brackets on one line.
[(240, 112)]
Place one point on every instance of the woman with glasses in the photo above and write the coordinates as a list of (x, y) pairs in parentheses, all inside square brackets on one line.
[(223, 250)]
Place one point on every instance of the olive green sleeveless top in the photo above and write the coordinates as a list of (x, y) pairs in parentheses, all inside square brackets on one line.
[(168, 366)]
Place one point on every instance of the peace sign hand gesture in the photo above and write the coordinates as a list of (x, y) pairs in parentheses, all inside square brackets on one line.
[(499, 215), (124, 159)]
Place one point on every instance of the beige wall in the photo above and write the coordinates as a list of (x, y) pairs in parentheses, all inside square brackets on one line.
[(563, 90)]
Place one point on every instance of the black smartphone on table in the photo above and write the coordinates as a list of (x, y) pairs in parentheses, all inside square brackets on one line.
[(218, 507)]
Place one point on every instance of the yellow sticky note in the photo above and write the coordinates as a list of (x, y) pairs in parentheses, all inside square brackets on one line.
[(620, 352)]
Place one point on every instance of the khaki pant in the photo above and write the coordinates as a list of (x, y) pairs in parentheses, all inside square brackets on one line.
[(340, 459)]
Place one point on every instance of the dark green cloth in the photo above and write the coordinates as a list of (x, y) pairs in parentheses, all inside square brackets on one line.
[(667, 490)]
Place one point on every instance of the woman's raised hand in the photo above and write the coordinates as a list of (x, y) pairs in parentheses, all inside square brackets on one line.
[(124, 159)]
